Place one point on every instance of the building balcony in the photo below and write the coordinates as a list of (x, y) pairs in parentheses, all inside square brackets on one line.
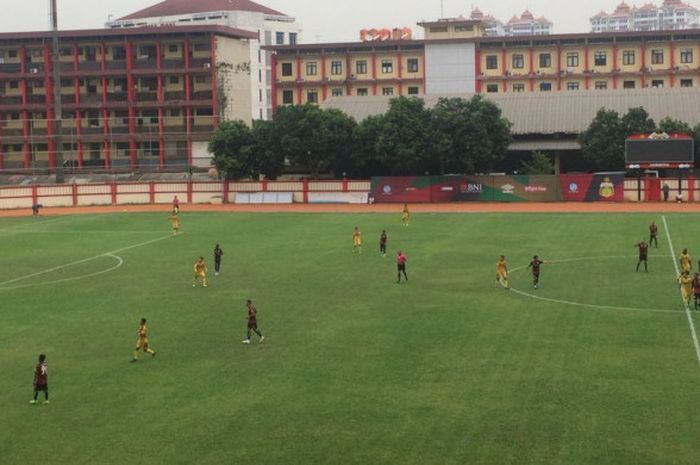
[(197, 64), (173, 96), (13, 100), (146, 96), (172, 64), (201, 95), (36, 99), (117, 96), (115, 65), (10, 68), (89, 66)]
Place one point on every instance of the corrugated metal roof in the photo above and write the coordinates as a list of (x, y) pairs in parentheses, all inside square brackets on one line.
[(132, 31), (568, 112)]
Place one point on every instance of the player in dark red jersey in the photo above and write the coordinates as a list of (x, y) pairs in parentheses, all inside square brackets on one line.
[(653, 231), (382, 243), (696, 290), (41, 380), (252, 322), (217, 259), (401, 265), (643, 253), (535, 265)]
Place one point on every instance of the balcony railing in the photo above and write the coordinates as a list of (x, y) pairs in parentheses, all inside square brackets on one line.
[(201, 95), (89, 66), (172, 64), (200, 63), (171, 96), (115, 64), (14, 100), (146, 96), (10, 68), (145, 63)]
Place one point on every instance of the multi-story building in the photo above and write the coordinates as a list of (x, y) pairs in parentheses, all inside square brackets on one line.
[(671, 15), (137, 97), (527, 25), (272, 27), (456, 57), (492, 26)]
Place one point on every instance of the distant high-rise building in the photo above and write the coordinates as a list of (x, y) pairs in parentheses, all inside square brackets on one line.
[(272, 27), (671, 15), (525, 25)]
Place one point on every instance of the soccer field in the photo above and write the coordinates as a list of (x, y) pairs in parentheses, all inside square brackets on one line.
[(597, 366)]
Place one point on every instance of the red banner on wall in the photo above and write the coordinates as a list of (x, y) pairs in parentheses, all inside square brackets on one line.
[(592, 187)]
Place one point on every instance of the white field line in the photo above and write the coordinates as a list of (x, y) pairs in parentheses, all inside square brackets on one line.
[(29, 224), (579, 304), (85, 260), (120, 262), (687, 309)]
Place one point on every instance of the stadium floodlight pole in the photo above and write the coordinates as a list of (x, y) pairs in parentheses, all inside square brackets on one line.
[(58, 107)]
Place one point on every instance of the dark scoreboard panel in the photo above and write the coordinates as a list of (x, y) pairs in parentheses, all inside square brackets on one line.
[(659, 151)]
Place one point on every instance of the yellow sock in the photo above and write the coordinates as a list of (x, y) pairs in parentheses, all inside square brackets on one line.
[(151, 351), (136, 354)]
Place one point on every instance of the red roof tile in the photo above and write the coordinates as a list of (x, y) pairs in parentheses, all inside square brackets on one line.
[(185, 7)]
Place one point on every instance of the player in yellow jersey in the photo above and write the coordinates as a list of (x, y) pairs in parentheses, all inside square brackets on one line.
[(356, 240), (142, 342), (405, 215), (200, 271), (685, 282), (685, 261), (502, 272), (175, 222)]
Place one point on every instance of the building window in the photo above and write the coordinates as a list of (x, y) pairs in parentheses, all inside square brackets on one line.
[(545, 86), (361, 67), (279, 38), (412, 65), (601, 85), (572, 86), (14, 84), (686, 55), (413, 90), (387, 66), (287, 97), (628, 84), (491, 88), (362, 92), (518, 87), (657, 83), (118, 53), (12, 53), (628, 57), (172, 48), (286, 69), (572, 59), (545, 60), (336, 68), (600, 58), (491, 61), (657, 57), (292, 38), (312, 96), (387, 91), (174, 80), (337, 92), (311, 68), (686, 83), (518, 61)]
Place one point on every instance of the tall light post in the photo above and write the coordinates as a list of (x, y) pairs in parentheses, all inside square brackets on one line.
[(57, 105)]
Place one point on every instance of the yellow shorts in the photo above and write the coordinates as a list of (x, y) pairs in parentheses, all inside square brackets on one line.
[(357, 243), (685, 267), (502, 275), (200, 274), (142, 342)]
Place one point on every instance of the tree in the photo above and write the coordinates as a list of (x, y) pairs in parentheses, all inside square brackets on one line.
[(696, 138), (266, 160), (539, 163), (637, 121), (403, 139), (232, 145), (365, 158), (469, 135), (312, 138), (670, 125), (602, 144)]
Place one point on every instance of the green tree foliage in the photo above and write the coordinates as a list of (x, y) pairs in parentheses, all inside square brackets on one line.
[(312, 138), (265, 159), (539, 163), (403, 139), (603, 143), (637, 121), (233, 146), (365, 158), (670, 125), (468, 135)]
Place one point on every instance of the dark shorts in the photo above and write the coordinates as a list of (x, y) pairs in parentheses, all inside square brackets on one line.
[(401, 267), (41, 387), (535, 274), (253, 324), (642, 257)]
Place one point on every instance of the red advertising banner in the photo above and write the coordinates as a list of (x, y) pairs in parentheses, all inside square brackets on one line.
[(592, 187)]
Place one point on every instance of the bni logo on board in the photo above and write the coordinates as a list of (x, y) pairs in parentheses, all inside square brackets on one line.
[(573, 188)]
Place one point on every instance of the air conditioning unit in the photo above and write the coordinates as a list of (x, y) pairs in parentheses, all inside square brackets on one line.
[(34, 70), (207, 65)]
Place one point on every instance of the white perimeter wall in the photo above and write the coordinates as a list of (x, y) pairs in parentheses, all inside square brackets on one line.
[(450, 68)]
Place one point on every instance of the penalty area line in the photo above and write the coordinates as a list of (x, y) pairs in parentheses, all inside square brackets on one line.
[(693, 333), (84, 260)]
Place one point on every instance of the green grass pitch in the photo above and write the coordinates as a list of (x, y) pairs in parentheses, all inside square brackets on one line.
[(355, 368)]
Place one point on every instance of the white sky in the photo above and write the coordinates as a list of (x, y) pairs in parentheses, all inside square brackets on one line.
[(322, 20)]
